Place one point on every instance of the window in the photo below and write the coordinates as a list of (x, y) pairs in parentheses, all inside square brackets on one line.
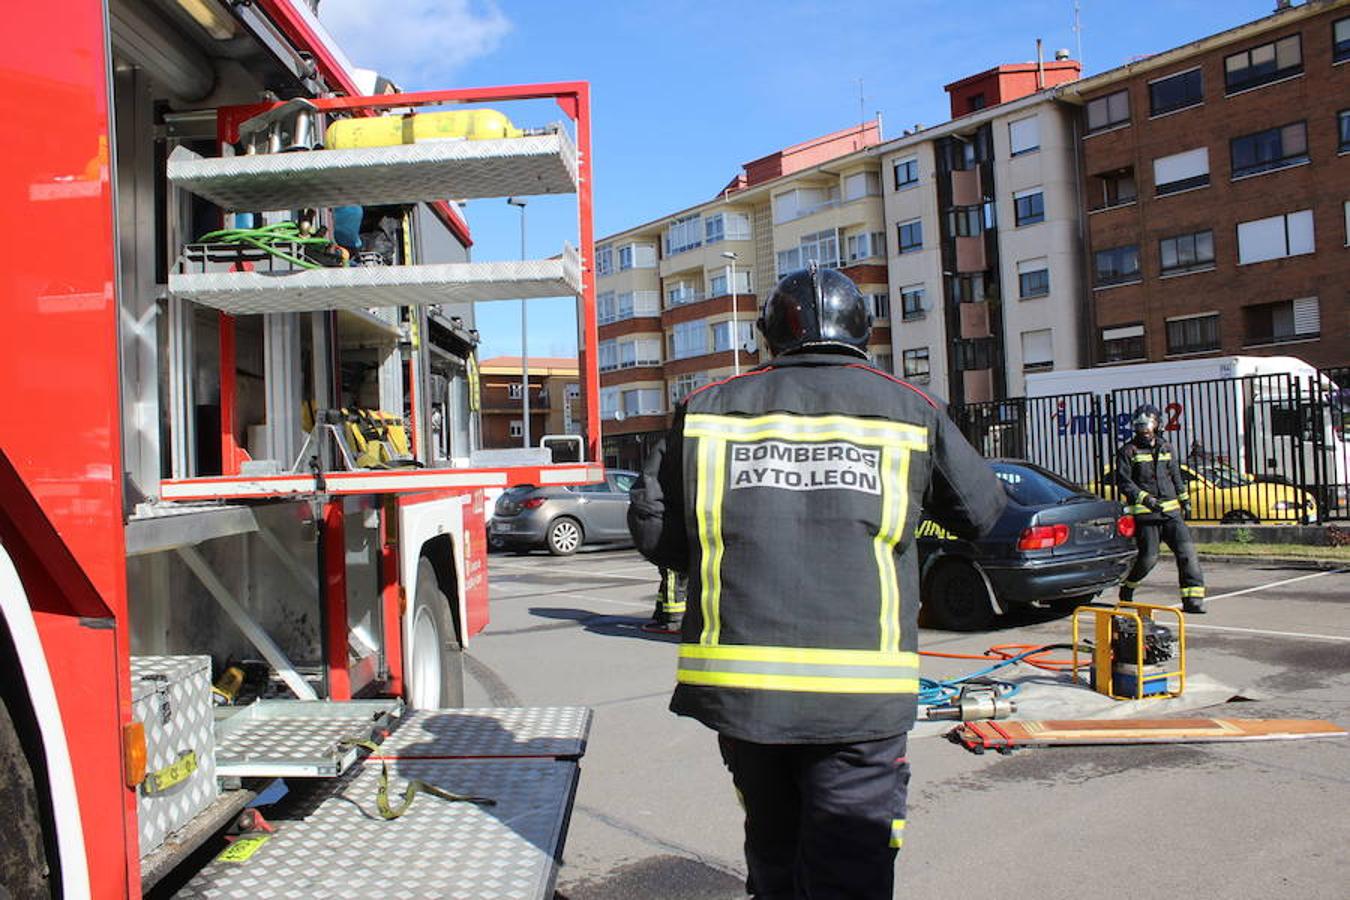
[(1033, 278), (637, 256), (1038, 354), (1114, 188), (721, 336), (632, 304), (517, 428), (642, 402), (906, 172), (604, 261), (1029, 206), (1343, 118), (1275, 237), (684, 385), (605, 309), (1119, 265), (1266, 151), (682, 292), (966, 221), (1181, 171), (1288, 320), (794, 204), (685, 233), (912, 302), (1024, 135), (514, 390), (909, 236), (1186, 252), (688, 339), (974, 355), (915, 363), (717, 284), (972, 289), (1175, 92), (1193, 334), (861, 184), (1108, 112), (1123, 343), (1340, 39), (1263, 64), (866, 246), (976, 102), (883, 360), (730, 226), (821, 246), (881, 306), (609, 402)]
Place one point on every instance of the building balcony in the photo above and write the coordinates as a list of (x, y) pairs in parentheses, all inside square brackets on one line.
[(967, 187), (974, 319), (970, 255), (746, 305)]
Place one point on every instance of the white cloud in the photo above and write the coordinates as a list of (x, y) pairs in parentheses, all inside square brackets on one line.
[(420, 44)]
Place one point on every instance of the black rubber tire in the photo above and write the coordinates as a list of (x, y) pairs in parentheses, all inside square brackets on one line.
[(558, 540), (957, 598), (1239, 517), (23, 855), (428, 596)]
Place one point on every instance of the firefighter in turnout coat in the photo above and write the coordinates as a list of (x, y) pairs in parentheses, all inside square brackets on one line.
[(790, 495), (1148, 474)]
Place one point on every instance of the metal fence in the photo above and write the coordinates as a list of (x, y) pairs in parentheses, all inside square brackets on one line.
[(1265, 448)]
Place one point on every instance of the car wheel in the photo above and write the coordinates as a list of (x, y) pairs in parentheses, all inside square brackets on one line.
[(1238, 517), (563, 537), (957, 598), (435, 660)]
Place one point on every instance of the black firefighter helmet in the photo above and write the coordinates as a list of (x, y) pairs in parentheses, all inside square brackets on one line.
[(818, 309), (1146, 418)]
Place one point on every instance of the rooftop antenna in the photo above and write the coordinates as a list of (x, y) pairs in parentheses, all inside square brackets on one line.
[(862, 113), (1078, 34)]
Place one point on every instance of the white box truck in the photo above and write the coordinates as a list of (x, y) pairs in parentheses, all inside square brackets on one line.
[(1273, 418)]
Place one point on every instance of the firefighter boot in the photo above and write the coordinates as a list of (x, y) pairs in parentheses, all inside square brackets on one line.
[(1193, 601)]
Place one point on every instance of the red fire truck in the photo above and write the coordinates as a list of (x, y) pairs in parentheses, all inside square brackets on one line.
[(241, 501)]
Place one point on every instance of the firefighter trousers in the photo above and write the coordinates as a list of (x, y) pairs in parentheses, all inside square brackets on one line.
[(1171, 530), (822, 821)]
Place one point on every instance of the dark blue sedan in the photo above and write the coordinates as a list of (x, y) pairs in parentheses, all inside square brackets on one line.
[(1055, 544)]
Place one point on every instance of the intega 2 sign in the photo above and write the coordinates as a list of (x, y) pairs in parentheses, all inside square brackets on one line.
[(1100, 423)]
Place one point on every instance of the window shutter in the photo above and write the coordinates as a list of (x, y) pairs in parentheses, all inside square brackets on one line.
[(1181, 166), (1307, 316), (1024, 134)]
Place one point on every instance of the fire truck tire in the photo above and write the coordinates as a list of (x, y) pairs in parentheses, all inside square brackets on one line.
[(957, 598), (23, 857), (435, 659)]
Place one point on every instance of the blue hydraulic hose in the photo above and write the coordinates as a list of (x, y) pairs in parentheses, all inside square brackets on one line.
[(933, 692)]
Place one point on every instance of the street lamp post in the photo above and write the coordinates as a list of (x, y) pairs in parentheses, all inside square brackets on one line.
[(730, 255), (524, 339)]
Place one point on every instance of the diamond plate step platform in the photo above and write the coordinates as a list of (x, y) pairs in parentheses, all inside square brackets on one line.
[(364, 287), (553, 731), (437, 849), (373, 176), (297, 738)]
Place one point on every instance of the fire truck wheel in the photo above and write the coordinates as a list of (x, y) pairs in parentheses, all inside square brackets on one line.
[(435, 660), (23, 857)]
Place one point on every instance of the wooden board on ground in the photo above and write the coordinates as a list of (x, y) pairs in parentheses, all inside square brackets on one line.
[(990, 735)]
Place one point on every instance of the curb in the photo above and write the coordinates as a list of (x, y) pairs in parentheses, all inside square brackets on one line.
[(1287, 562)]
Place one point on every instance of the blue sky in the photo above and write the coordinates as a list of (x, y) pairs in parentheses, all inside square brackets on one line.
[(685, 91)]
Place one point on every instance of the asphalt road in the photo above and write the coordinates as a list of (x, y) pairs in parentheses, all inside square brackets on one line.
[(656, 817)]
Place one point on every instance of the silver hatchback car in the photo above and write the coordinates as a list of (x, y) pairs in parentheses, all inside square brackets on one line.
[(561, 519)]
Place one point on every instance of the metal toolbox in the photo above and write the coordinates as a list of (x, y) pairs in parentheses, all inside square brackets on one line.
[(171, 697)]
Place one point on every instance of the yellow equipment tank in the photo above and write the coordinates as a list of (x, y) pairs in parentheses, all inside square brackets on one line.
[(385, 131)]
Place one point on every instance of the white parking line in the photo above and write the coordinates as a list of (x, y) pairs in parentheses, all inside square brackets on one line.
[(631, 603), (1264, 633), (1262, 587)]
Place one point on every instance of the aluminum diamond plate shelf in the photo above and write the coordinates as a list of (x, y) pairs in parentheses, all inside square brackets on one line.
[(406, 173), (557, 731), (438, 849), (358, 287), (297, 738)]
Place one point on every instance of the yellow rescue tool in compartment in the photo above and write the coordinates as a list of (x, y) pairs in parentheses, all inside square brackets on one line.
[(454, 125)]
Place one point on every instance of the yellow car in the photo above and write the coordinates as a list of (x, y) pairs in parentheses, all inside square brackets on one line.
[(1220, 493)]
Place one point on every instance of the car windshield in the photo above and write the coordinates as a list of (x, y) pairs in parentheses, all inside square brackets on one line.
[(1220, 475), (1031, 485)]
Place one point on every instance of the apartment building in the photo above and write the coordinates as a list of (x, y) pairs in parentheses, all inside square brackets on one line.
[(1217, 194), (985, 260), (555, 399), (678, 297)]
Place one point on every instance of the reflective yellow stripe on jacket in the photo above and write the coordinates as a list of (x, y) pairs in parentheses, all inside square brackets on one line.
[(895, 440), (800, 669)]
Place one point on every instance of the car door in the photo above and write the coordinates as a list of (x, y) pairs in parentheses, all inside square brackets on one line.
[(608, 506)]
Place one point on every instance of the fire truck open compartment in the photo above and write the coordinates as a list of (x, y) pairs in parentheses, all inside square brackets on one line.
[(251, 538)]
